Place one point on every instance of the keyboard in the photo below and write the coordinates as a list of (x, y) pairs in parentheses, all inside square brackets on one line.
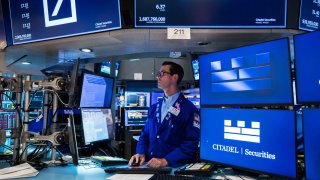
[(108, 160), (138, 170), (176, 177)]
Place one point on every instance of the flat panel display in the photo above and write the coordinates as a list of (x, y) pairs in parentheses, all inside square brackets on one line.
[(156, 97), (136, 116), (307, 63), (96, 91), (311, 126), (140, 99), (260, 140), (195, 69), (258, 74), (105, 67), (309, 15), (49, 19), (95, 124), (3, 42), (211, 13)]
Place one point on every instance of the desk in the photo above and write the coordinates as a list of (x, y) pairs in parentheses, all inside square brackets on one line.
[(70, 172)]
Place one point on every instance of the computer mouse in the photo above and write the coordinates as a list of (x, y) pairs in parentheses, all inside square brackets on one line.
[(134, 164)]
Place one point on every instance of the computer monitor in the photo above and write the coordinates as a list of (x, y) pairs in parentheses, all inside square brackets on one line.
[(141, 99), (96, 124), (195, 69), (311, 126), (156, 97), (309, 15), (258, 74), (258, 140), (136, 116), (307, 65), (96, 91), (105, 67)]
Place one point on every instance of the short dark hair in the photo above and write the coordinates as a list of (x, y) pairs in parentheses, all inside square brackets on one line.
[(175, 69)]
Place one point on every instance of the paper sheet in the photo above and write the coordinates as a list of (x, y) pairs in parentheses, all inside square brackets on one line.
[(130, 176)]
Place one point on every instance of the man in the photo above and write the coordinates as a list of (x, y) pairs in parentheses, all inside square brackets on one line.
[(171, 134)]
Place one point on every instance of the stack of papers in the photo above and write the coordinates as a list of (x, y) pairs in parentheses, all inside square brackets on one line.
[(19, 171)]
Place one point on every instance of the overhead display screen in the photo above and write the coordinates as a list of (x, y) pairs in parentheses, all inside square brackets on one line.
[(258, 74), (309, 15), (48, 19), (3, 42), (211, 13)]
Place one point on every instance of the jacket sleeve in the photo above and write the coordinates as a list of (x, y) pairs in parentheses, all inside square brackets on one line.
[(144, 139), (186, 152)]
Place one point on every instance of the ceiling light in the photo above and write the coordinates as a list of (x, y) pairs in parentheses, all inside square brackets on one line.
[(86, 50), (134, 60), (26, 63)]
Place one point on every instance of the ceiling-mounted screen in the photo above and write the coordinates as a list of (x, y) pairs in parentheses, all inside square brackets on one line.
[(45, 19), (258, 74), (307, 63), (309, 15), (211, 13), (3, 42), (260, 140)]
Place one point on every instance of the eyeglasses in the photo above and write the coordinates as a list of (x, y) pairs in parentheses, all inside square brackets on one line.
[(162, 73)]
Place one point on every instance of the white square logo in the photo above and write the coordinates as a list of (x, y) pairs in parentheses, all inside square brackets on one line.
[(241, 132), (53, 13)]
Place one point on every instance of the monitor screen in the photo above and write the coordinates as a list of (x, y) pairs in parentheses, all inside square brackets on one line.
[(96, 91), (311, 126), (42, 20), (307, 65), (211, 14), (156, 97), (309, 15), (36, 100), (141, 99), (259, 140), (136, 116), (195, 68), (96, 124), (258, 74), (117, 68), (3, 42), (105, 67)]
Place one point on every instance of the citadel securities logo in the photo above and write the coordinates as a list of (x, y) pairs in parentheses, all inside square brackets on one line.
[(54, 17), (241, 133), (161, 7)]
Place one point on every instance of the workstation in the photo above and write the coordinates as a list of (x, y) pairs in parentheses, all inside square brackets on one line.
[(81, 83)]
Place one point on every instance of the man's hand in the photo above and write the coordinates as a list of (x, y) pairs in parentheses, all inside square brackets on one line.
[(157, 162), (137, 158)]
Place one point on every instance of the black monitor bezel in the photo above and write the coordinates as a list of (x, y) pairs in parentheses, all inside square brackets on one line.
[(253, 170), (100, 75), (97, 141), (295, 74), (258, 104)]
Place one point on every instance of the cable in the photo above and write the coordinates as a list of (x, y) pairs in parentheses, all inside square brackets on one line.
[(65, 104), (7, 147)]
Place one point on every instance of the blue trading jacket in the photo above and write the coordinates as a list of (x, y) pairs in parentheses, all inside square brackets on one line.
[(176, 139)]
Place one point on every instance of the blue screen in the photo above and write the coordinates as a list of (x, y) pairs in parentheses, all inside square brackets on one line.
[(156, 96), (256, 74), (3, 42), (195, 68), (307, 67), (48, 19), (105, 67), (96, 91), (208, 13), (311, 123), (309, 15), (261, 140)]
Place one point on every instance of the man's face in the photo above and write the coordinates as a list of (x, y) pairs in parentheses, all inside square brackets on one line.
[(165, 78)]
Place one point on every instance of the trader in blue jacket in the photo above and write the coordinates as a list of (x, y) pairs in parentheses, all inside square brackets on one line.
[(171, 134)]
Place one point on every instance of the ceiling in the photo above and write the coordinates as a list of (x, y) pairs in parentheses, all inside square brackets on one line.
[(127, 44)]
